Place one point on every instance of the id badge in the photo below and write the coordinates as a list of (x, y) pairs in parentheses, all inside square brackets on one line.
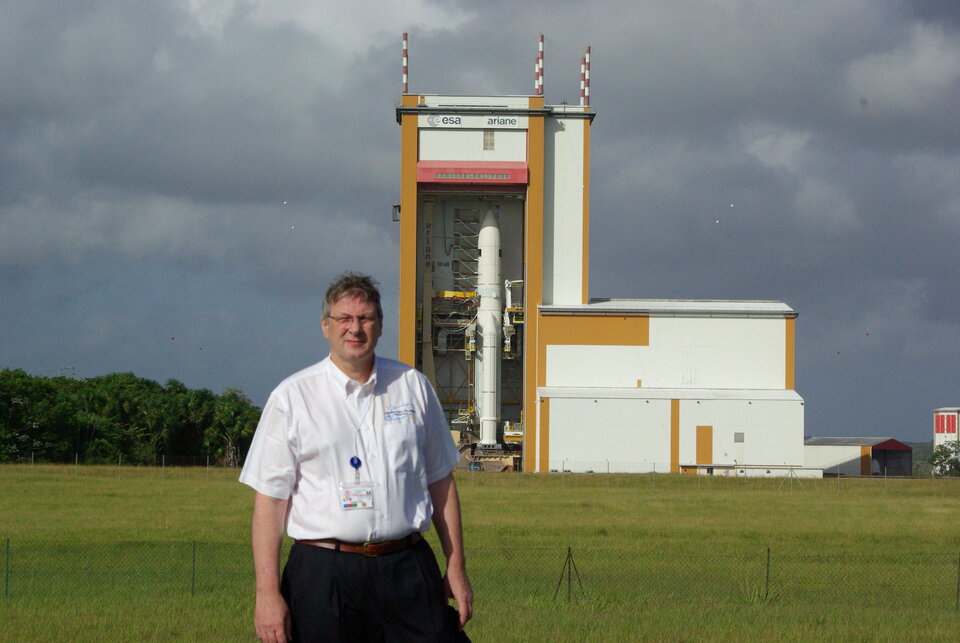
[(356, 495)]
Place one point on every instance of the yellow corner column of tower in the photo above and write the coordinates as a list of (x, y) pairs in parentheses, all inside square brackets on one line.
[(534, 442), (408, 232)]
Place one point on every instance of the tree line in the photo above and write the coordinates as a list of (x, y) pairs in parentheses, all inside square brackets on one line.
[(120, 418)]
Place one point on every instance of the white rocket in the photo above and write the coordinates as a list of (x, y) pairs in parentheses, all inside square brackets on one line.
[(489, 289)]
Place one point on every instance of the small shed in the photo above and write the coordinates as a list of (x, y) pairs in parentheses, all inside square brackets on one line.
[(858, 456)]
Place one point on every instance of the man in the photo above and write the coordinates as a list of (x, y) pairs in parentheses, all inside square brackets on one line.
[(353, 456)]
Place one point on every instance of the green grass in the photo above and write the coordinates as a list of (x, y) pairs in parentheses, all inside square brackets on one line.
[(162, 554)]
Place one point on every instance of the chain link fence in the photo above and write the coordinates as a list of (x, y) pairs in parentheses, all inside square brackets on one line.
[(47, 569), (607, 473)]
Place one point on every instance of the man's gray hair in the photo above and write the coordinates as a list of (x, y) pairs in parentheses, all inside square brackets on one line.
[(355, 285)]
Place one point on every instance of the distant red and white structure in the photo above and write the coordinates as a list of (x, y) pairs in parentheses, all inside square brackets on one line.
[(945, 423)]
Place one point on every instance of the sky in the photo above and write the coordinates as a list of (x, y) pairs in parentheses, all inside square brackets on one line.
[(181, 179)]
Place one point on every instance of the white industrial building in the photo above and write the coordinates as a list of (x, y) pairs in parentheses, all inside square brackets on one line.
[(671, 385), (494, 308)]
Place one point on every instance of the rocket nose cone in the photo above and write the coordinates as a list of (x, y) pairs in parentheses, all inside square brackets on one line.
[(489, 231)]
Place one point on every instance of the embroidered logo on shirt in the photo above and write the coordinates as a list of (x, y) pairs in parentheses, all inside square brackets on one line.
[(398, 412)]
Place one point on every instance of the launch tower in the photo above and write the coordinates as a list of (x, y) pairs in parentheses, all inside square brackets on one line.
[(494, 309)]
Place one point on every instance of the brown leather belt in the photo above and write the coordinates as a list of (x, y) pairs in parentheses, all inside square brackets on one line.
[(368, 548)]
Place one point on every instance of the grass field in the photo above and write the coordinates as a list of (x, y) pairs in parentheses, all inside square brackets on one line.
[(137, 554)]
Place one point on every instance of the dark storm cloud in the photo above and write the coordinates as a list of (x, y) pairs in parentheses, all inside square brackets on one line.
[(135, 134), (140, 102), (945, 13)]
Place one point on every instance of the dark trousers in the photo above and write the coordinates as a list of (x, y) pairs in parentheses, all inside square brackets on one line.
[(335, 596)]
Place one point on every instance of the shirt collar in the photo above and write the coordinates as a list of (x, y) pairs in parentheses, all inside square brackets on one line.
[(346, 385)]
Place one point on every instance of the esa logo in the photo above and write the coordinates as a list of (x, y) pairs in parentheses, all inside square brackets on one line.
[(440, 121)]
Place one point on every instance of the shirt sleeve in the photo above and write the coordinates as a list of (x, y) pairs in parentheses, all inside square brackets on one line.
[(270, 467), (440, 453)]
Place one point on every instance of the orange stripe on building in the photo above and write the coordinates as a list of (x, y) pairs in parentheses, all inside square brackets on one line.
[(409, 153), (674, 436), (791, 351), (865, 453), (596, 330), (544, 434), (533, 279)]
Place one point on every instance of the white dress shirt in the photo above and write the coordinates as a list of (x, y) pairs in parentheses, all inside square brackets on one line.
[(316, 420)]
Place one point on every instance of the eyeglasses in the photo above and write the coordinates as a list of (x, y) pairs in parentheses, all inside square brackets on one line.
[(346, 321)]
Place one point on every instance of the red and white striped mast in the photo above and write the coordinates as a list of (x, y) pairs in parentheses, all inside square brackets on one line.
[(585, 78), (405, 62), (538, 70)]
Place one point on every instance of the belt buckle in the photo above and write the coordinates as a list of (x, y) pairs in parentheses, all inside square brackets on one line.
[(364, 551)]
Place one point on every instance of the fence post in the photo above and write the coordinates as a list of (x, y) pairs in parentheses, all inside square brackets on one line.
[(766, 587), (958, 580), (193, 571), (6, 571)]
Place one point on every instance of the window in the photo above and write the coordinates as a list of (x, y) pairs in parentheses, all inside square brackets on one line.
[(487, 139)]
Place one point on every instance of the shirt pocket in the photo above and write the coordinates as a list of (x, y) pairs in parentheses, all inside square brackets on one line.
[(402, 445)]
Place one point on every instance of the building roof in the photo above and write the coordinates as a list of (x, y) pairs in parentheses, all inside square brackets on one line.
[(674, 308), (775, 395), (888, 444)]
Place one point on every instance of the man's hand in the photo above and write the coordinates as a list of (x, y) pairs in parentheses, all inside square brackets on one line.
[(459, 589), (446, 518), (272, 618)]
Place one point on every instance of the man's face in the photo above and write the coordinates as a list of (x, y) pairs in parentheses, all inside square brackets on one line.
[(352, 328)]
